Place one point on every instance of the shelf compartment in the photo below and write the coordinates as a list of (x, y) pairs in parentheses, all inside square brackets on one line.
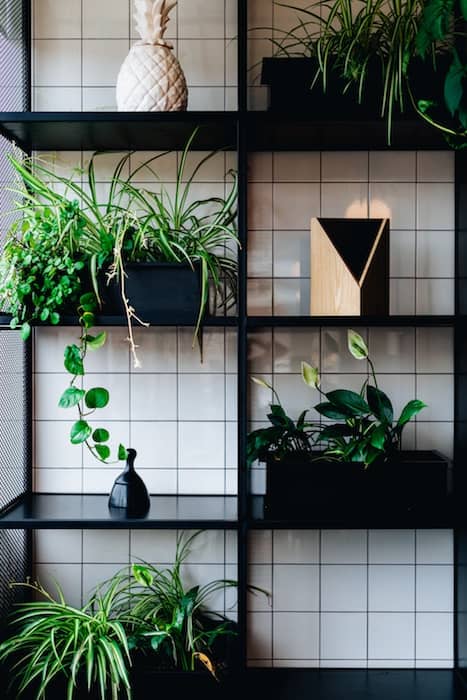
[(357, 516), (114, 131), (350, 321), (355, 684), (275, 131), (71, 511)]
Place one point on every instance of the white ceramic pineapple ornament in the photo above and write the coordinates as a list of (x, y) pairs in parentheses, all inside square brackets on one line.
[(151, 78)]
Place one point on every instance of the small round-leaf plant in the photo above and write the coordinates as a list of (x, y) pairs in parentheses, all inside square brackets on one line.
[(87, 401), (365, 430)]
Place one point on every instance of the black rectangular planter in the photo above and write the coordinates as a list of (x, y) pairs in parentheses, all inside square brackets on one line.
[(160, 291), (298, 486), (290, 80)]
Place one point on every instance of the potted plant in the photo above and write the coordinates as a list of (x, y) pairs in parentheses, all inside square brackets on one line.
[(357, 459), (57, 650), (177, 643), (329, 63), (142, 252), (142, 628)]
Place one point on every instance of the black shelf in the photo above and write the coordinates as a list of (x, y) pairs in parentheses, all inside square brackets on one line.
[(211, 321), (358, 515), (273, 131), (266, 131), (71, 511), (354, 684), (349, 321), (114, 131)]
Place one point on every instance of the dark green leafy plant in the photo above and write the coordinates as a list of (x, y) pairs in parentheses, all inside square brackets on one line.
[(86, 647), (284, 436), (89, 400), (366, 429), (170, 622)]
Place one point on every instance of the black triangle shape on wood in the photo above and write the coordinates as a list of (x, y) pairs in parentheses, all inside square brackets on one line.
[(353, 239)]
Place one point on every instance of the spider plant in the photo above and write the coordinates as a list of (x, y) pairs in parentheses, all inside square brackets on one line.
[(170, 619), (173, 228), (51, 640), (352, 38)]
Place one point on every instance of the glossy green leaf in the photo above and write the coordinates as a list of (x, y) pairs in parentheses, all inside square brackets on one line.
[(142, 574), (87, 319), (356, 345), (100, 435), (122, 452), (410, 410), (310, 375), (96, 341), (25, 331), (378, 437), (335, 431), (453, 85), (348, 401), (54, 318), (72, 360), (380, 404), (80, 432), (103, 451), (328, 410), (97, 397), (88, 299), (71, 397)]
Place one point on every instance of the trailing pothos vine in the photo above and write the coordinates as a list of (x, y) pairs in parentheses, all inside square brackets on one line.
[(87, 401)]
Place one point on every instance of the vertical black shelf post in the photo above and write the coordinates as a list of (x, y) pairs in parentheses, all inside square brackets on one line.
[(460, 413), (242, 154)]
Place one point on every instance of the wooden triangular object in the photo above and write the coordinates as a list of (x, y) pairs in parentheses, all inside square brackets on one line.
[(349, 267)]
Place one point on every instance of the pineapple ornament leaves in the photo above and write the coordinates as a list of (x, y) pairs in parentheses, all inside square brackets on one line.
[(151, 78)]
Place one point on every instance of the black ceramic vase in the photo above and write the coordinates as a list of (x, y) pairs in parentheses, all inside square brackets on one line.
[(129, 496)]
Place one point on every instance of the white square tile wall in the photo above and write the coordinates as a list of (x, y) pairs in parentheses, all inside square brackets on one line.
[(79, 560), (287, 189), (352, 599), (79, 46)]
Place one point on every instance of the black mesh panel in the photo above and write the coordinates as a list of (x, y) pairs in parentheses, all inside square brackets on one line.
[(14, 76), (14, 392), (13, 555)]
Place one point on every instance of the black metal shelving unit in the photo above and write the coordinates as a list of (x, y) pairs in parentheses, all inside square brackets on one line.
[(241, 131)]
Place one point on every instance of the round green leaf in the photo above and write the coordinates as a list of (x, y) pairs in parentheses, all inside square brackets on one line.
[(103, 451), (71, 397), (97, 397), (87, 319), (122, 452), (25, 331), (54, 318), (100, 435), (73, 361), (96, 341), (80, 432)]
